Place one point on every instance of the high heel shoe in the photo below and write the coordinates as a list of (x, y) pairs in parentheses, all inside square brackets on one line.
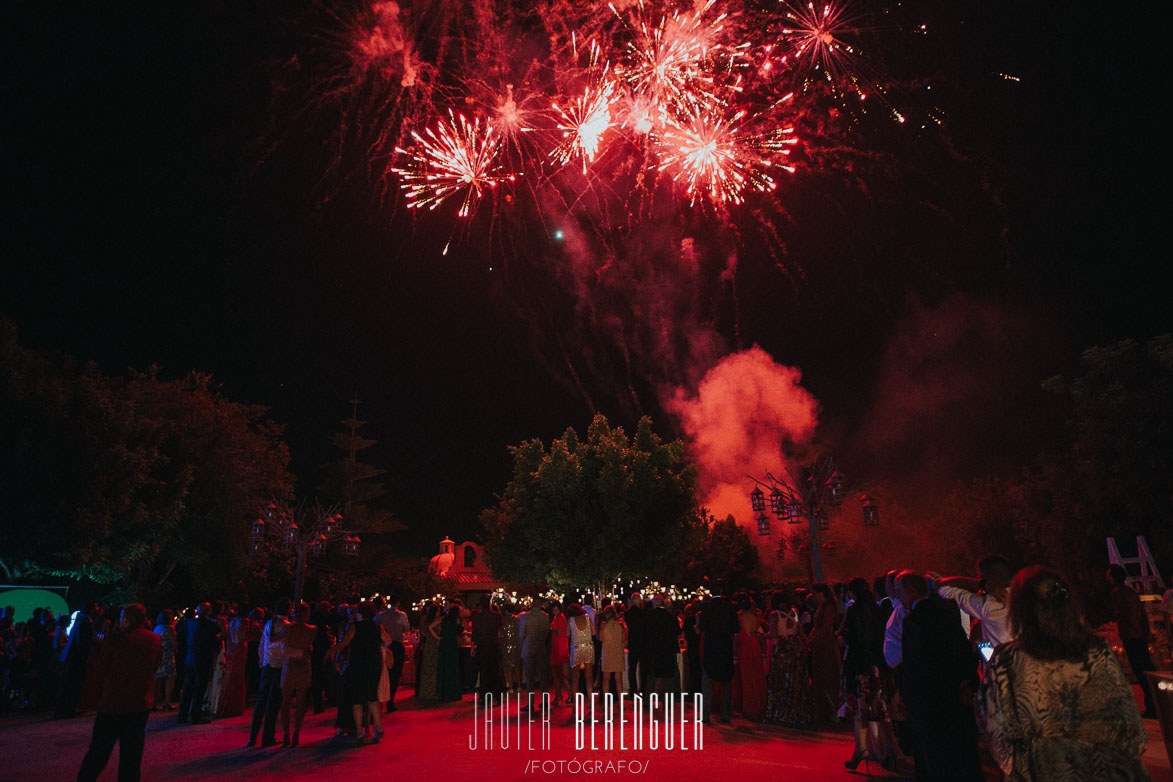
[(853, 764)]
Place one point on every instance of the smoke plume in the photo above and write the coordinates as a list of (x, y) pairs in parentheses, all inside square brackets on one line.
[(747, 414)]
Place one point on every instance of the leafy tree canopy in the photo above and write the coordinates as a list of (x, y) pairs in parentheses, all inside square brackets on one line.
[(141, 486), (725, 553), (584, 512)]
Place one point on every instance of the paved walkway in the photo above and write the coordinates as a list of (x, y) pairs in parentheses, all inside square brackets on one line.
[(434, 741)]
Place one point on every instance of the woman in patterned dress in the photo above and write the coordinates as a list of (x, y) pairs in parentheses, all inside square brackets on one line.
[(863, 636), (789, 698), (580, 632), (511, 649), (165, 676), (1059, 705), (429, 655), (613, 637)]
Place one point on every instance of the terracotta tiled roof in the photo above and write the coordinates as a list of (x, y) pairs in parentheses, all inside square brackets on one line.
[(467, 578)]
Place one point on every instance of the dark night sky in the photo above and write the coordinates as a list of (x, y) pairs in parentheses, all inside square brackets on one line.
[(149, 219)]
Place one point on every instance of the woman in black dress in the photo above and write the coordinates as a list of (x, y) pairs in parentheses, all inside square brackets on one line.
[(448, 662), (366, 641)]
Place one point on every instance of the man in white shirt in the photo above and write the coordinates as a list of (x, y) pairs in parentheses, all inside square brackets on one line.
[(396, 624), (986, 600), (272, 659)]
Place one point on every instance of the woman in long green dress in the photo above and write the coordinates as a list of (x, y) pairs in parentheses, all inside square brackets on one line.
[(448, 670)]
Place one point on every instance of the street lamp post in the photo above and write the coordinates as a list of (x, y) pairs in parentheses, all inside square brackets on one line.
[(308, 529), (806, 497)]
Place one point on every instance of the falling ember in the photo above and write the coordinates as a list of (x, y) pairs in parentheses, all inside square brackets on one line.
[(458, 157)]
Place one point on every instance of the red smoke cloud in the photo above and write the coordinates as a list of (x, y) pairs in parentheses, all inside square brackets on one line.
[(747, 413)]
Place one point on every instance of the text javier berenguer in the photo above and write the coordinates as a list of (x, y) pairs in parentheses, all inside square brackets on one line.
[(602, 723)]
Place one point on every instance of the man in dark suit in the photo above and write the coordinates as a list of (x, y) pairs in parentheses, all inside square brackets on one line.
[(938, 677), (533, 631), (203, 644), (636, 620), (663, 646), (74, 657), (717, 624)]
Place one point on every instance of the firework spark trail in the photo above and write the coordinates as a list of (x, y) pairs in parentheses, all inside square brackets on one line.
[(583, 123), (672, 61), (816, 33), (458, 157), (461, 97), (722, 159)]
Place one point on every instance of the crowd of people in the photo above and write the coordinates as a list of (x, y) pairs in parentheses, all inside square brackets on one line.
[(1030, 683)]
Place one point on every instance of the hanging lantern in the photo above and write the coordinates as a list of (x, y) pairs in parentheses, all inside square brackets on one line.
[(331, 523), (291, 534), (780, 552), (824, 523), (829, 548), (757, 499), (835, 486), (871, 514), (763, 524), (794, 512), (318, 547), (350, 545), (777, 502), (255, 546), (258, 531)]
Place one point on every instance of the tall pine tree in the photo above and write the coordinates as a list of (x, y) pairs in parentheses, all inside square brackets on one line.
[(353, 484)]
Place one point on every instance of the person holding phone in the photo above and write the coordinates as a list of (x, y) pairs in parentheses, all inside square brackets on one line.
[(985, 599)]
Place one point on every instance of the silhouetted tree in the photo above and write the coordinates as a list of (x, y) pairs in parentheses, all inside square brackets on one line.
[(725, 553), (136, 484)]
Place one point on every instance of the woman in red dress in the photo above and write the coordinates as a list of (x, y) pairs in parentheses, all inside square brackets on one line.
[(826, 660), (751, 668), (233, 687), (559, 655)]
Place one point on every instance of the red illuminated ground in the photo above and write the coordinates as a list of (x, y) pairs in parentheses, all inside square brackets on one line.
[(434, 740)]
